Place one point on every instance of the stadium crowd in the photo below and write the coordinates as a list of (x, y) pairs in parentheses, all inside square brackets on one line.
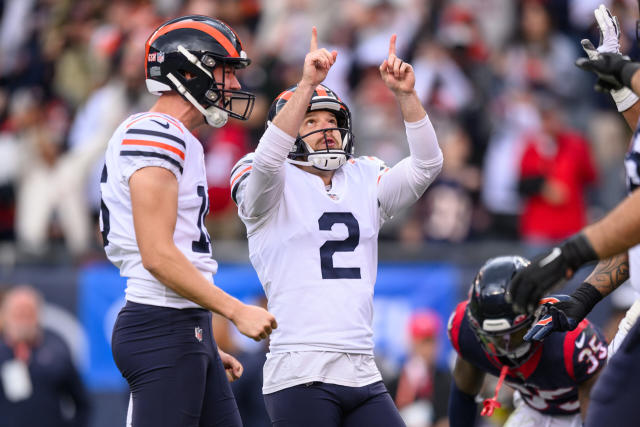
[(532, 153), (497, 77)]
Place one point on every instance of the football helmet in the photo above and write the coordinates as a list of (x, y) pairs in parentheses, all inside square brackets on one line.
[(196, 44), (323, 98), (496, 325)]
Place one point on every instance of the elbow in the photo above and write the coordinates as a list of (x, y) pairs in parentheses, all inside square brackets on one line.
[(151, 263), (154, 260)]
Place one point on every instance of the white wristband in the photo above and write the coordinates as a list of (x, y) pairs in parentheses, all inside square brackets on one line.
[(624, 98)]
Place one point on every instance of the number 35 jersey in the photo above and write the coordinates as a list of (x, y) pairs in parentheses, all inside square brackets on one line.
[(316, 255), (144, 140), (548, 379)]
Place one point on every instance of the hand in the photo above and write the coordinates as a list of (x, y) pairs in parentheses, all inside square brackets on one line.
[(609, 34), (317, 63), (253, 321), (547, 270), (397, 74), (609, 68), (232, 367), (556, 313)]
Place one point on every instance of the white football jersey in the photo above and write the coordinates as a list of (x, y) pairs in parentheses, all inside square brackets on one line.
[(154, 139), (316, 254)]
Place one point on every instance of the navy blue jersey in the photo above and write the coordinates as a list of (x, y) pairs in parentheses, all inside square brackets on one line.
[(549, 377)]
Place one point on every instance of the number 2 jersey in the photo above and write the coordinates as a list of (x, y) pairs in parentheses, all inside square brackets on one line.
[(154, 139), (315, 251), (548, 380)]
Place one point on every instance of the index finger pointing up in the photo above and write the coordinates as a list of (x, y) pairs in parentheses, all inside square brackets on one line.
[(392, 45), (314, 39)]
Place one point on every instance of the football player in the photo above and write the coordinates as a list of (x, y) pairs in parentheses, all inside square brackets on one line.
[(313, 212), (552, 378), (154, 202), (616, 233)]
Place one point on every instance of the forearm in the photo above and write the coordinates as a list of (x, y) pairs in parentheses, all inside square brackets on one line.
[(631, 115), (635, 86), (290, 117), (609, 274), (410, 106), (619, 230), (407, 181), (169, 265)]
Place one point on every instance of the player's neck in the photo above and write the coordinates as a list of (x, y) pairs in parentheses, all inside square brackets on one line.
[(174, 105), (326, 176)]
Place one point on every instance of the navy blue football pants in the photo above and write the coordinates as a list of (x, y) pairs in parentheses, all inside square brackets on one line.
[(328, 405), (171, 362), (615, 398)]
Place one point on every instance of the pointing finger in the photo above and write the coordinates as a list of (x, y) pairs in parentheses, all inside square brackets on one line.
[(392, 45), (314, 39)]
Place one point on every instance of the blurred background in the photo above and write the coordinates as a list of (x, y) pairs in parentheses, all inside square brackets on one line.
[(532, 154)]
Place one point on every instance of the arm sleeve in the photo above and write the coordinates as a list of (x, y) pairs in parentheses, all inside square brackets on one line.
[(264, 186), (403, 184), (462, 408)]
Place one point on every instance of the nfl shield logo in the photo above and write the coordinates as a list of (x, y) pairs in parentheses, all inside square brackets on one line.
[(160, 57), (198, 333)]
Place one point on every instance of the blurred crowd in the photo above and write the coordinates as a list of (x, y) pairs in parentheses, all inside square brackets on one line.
[(531, 152)]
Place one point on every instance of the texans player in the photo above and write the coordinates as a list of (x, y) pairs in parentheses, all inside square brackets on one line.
[(552, 378), (313, 213), (616, 233)]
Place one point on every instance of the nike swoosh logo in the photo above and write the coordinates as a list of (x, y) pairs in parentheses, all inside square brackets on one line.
[(555, 253), (164, 125)]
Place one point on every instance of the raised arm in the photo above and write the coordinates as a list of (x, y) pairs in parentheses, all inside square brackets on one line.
[(403, 184), (265, 184)]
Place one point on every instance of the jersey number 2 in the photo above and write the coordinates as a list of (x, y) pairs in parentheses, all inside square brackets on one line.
[(326, 222)]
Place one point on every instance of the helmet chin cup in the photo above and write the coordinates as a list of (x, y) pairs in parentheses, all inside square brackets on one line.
[(216, 117), (327, 161)]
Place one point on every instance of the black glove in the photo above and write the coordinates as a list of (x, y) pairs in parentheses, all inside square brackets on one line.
[(563, 312), (614, 71), (547, 270)]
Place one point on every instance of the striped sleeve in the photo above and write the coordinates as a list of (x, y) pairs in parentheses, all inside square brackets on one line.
[(152, 141), (240, 172)]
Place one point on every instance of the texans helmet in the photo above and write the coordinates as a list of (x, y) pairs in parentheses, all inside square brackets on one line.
[(323, 98), (181, 55), (496, 325)]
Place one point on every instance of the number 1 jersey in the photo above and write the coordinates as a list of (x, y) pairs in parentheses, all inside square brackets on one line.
[(144, 140), (316, 255)]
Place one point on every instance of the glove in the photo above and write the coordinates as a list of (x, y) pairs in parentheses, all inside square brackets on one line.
[(614, 71), (546, 271), (609, 42), (563, 312)]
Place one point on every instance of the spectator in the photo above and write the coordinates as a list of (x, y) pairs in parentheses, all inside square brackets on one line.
[(555, 169), (40, 386), (423, 387)]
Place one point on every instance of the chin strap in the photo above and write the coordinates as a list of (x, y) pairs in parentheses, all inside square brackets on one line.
[(214, 116), (489, 405)]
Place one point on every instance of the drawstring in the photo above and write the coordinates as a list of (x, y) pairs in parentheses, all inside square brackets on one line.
[(489, 405)]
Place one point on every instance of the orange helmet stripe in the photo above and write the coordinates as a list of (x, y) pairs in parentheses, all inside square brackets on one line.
[(285, 95), (213, 32), (320, 90)]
